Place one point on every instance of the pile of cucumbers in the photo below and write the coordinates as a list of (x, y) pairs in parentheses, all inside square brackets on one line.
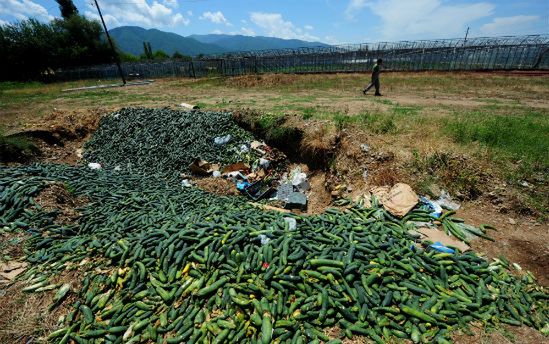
[(165, 141), (166, 264)]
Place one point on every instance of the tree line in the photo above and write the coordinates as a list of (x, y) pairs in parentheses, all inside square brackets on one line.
[(33, 50), (148, 54)]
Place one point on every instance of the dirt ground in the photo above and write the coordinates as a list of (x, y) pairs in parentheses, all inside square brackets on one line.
[(25, 317), (56, 197), (520, 240), (344, 161)]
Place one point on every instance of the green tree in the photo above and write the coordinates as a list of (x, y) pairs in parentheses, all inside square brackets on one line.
[(160, 55), (67, 8), (127, 57), (178, 55), (147, 51), (30, 49)]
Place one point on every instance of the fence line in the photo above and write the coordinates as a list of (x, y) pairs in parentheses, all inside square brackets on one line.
[(492, 53)]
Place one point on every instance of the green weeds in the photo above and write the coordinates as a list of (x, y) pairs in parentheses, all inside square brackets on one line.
[(444, 168), (519, 136), (15, 148)]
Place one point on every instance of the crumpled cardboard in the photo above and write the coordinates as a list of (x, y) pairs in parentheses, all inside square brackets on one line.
[(256, 145), (380, 192), (400, 199), (10, 270), (434, 235), (202, 167), (239, 166)]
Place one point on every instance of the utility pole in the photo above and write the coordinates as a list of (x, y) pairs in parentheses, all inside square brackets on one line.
[(466, 34), (116, 60)]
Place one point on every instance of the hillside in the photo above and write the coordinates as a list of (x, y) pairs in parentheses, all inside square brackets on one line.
[(130, 39), (243, 43)]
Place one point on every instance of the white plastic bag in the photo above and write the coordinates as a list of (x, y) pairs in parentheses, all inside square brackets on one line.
[(222, 140), (292, 223), (94, 165), (446, 202)]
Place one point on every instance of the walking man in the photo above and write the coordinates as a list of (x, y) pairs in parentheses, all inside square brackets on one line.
[(375, 79)]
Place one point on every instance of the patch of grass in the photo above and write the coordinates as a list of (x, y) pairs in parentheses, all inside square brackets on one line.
[(451, 172), (518, 136), (308, 113), (15, 148), (406, 111), (271, 126), (383, 101), (377, 123), (343, 120), (10, 85), (202, 105)]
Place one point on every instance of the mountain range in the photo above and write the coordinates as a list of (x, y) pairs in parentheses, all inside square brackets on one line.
[(130, 40)]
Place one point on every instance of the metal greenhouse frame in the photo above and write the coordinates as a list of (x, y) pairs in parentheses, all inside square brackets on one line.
[(474, 54)]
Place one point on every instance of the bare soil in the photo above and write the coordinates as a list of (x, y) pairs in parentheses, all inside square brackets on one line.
[(56, 197), (506, 334), (519, 239), (25, 317), (11, 245), (218, 186)]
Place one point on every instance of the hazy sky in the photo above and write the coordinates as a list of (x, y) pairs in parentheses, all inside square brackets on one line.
[(330, 21)]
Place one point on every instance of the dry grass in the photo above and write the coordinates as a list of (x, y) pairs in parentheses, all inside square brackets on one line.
[(269, 80), (25, 318)]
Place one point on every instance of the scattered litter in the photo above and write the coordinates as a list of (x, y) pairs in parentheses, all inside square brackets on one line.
[(300, 181), (244, 149), (512, 221), (436, 209), (264, 163), (239, 166), (365, 174), (236, 176), (400, 199), (202, 167), (445, 201), (242, 185), (216, 174), (259, 190), (186, 183), (283, 192), (264, 239), (296, 200), (189, 106), (365, 148), (94, 165), (222, 140), (292, 223), (79, 153), (437, 246), (116, 115), (257, 145), (117, 168)]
